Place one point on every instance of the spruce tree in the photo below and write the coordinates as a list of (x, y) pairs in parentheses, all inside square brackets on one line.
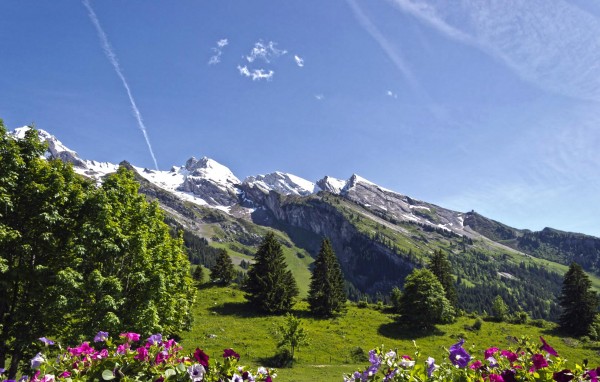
[(441, 268), (223, 271), (270, 286), (578, 301), (326, 295)]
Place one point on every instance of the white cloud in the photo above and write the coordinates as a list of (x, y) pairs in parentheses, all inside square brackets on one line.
[(256, 74), (218, 51), (299, 60), (265, 52), (319, 97), (553, 45), (390, 93)]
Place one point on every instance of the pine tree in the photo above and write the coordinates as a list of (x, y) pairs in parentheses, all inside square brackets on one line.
[(326, 295), (270, 286), (198, 274), (223, 271), (578, 301), (441, 268), (423, 303)]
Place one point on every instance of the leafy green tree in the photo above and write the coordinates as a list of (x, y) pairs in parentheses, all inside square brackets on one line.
[(223, 271), (499, 309), (423, 302), (76, 259), (578, 301), (441, 268), (270, 286), (291, 334), (327, 295)]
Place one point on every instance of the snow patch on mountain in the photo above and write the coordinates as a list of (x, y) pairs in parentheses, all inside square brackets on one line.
[(284, 183), (330, 184)]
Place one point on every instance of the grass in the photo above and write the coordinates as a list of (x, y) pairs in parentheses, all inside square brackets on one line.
[(223, 319)]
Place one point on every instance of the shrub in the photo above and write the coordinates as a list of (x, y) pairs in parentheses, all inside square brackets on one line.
[(477, 324), (357, 354)]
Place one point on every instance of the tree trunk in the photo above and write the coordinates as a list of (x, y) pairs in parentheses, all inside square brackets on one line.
[(14, 365)]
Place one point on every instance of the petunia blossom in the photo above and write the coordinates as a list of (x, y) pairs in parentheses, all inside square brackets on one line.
[(37, 360), (547, 348), (509, 375), (496, 378), (476, 365), (142, 354), (512, 357), (155, 339), (201, 357), (539, 362), (431, 366), (46, 341), (131, 337), (230, 353), (196, 372), (563, 375), (101, 336), (459, 356), (490, 352)]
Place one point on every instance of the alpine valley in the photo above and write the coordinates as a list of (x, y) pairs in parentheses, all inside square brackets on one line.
[(378, 235)]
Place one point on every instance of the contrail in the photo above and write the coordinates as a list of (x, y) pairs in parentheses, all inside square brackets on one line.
[(112, 57)]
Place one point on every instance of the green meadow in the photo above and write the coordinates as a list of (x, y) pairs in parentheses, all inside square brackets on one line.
[(223, 319)]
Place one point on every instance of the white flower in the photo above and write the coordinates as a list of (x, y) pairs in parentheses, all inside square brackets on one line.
[(236, 378), (196, 372), (262, 371), (407, 362)]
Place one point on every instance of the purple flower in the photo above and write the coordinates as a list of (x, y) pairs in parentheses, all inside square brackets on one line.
[(201, 357), (230, 353), (547, 348), (563, 375), (24, 378), (593, 374), (539, 362), (47, 341), (155, 339), (431, 366), (2, 370), (496, 378), (390, 375), (9, 380), (101, 336), (142, 354), (458, 355), (509, 376), (37, 361)]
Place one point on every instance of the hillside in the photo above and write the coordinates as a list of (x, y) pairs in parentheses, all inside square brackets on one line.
[(378, 235)]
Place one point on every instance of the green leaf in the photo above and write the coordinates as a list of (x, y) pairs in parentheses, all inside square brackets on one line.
[(181, 368), (170, 373), (107, 375)]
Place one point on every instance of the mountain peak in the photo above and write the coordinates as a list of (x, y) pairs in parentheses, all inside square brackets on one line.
[(210, 169), (282, 182)]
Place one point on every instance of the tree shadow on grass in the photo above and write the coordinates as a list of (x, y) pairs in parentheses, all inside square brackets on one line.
[(238, 309), (399, 331)]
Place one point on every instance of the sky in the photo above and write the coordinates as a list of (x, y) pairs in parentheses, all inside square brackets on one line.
[(470, 105)]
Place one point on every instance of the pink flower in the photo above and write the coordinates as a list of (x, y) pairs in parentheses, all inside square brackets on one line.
[(496, 378), (490, 352), (161, 356), (142, 354), (547, 348), (512, 357), (539, 362), (201, 357), (122, 349), (64, 374), (476, 365), (130, 336), (230, 353)]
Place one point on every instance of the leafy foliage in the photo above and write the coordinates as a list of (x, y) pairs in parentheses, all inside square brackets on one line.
[(291, 334), (270, 286), (327, 294), (76, 258), (423, 303)]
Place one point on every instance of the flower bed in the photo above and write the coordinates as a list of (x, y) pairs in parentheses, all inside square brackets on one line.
[(130, 359), (528, 362)]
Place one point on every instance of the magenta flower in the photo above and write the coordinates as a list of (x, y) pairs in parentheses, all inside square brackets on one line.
[(130, 336), (512, 357), (101, 336), (496, 378), (83, 349), (509, 376), (593, 374), (490, 352), (161, 356), (476, 365), (201, 357), (142, 354), (459, 356), (563, 375), (122, 349), (64, 374), (547, 348), (230, 353), (539, 362)]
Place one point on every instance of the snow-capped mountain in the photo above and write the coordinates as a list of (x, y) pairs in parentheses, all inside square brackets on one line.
[(206, 182)]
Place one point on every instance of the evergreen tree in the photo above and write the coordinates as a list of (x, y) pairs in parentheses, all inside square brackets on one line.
[(423, 302), (198, 274), (270, 286), (440, 267), (327, 294), (578, 301), (223, 271)]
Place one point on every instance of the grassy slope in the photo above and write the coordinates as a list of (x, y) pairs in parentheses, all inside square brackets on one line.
[(224, 313)]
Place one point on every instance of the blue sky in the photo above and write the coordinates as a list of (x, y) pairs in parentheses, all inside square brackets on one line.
[(491, 106)]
